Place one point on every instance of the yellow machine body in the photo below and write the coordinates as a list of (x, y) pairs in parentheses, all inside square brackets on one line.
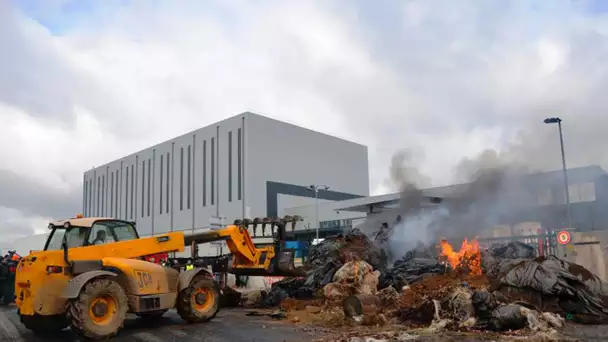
[(90, 284), (90, 287), (39, 291)]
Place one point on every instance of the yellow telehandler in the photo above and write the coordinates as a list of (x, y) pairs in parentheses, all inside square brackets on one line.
[(91, 273)]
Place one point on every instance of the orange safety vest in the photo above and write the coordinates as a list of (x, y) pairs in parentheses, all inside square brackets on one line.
[(15, 257)]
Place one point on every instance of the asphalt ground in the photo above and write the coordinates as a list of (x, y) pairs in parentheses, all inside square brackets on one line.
[(233, 325), (230, 325)]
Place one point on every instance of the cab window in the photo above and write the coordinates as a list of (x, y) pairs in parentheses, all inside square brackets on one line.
[(100, 234), (111, 231), (74, 237), (125, 231), (55, 239)]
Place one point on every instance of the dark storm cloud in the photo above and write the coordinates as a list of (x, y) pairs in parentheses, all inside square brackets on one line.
[(35, 198)]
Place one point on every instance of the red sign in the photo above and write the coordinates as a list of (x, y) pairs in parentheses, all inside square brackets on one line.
[(563, 237)]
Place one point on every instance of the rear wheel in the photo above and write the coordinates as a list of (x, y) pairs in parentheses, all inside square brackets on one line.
[(99, 311), (200, 301)]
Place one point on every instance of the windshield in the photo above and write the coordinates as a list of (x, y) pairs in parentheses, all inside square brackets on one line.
[(102, 232), (75, 238)]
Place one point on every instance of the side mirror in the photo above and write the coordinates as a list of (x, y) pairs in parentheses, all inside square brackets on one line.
[(64, 246)]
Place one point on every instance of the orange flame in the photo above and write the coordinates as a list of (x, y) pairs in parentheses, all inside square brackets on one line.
[(469, 256)]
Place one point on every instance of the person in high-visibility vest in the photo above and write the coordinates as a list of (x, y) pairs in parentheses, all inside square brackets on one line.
[(189, 266)]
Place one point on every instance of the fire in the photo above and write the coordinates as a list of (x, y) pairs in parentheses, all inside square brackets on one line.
[(469, 256)]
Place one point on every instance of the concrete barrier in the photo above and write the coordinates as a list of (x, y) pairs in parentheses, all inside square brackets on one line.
[(588, 249)]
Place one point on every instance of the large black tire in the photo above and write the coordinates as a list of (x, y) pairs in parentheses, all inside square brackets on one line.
[(193, 311), (156, 314), (44, 325), (85, 322)]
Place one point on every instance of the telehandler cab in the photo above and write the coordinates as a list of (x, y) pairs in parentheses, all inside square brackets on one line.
[(91, 273)]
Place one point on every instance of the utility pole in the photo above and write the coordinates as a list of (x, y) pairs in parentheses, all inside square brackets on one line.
[(315, 188), (558, 121)]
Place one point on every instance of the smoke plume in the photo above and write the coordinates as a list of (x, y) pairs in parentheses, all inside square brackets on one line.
[(405, 176), (492, 188)]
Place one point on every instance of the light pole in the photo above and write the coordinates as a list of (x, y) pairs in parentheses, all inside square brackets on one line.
[(558, 121), (315, 188)]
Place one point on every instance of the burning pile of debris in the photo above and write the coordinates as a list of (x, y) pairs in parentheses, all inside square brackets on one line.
[(502, 289), (324, 261)]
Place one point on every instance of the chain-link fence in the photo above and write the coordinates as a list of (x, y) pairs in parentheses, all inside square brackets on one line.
[(544, 243)]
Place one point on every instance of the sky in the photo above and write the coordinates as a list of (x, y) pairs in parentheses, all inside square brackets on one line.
[(84, 82)]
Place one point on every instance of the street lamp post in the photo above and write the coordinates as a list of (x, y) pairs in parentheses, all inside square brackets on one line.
[(558, 121), (315, 188)]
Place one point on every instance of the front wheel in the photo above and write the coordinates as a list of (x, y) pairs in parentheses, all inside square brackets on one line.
[(200, 301), (99, 311)]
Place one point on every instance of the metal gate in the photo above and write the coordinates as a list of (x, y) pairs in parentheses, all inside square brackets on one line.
[(544, 244)]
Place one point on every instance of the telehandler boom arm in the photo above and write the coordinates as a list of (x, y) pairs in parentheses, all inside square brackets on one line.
[(247, 259), (237, 238)]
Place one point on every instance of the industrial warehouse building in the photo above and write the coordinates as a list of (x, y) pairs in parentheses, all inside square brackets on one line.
[(245, 166), (253, 166)]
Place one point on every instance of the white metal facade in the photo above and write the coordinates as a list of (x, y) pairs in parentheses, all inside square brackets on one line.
[(239, 167)]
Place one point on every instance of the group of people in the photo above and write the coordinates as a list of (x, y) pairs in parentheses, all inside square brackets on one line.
[(8, 268)]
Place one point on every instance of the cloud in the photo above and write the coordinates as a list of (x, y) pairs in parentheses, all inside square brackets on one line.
[(14, 224), (34, 198), (84, 84)]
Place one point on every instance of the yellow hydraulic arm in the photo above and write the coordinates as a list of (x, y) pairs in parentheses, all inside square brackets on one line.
[(237, 238), (247, 259)]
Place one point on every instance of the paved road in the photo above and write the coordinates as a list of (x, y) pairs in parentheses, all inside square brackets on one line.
[(231, 325)]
